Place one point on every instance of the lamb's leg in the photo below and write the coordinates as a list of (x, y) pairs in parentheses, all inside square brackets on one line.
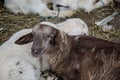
[(54, 13), (101, 3), (64, 14), (106, 19), (98, 4), (104, 22), (47, 13), (13, 8)]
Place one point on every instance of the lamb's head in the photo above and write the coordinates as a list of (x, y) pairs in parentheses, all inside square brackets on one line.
[(47, 36), (64, 4), (43, 36), (60, 4)]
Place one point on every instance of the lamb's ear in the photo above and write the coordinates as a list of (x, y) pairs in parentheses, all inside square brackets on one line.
[(25, 39), (60, 40)]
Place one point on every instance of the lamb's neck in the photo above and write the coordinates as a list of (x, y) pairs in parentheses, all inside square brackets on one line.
[(55, 56)]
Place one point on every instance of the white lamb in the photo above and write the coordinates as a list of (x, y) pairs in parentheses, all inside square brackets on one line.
[(73, 26), (73, 5), (16, 61), (29, 6)]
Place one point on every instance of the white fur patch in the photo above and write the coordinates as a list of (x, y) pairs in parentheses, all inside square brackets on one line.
[(50, 24), (16, 61)]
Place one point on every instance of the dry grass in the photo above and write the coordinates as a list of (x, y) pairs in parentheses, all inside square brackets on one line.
[(10, 23)]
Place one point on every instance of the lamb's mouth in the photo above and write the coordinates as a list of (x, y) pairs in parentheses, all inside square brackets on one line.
[(38, 54)]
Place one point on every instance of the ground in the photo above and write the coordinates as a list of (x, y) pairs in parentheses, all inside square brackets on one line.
[(10, 23)]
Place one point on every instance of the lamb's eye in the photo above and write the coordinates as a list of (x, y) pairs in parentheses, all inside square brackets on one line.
[(48, 35), (45, 36), (51, 36)]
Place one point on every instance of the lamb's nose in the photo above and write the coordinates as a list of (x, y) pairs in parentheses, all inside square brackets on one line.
[(58, 5), (36, 52)]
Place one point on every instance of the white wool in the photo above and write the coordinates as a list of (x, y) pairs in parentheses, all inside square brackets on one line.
[(73, 26), (86, 5), (50, 24), (29, 6), (16, 61)]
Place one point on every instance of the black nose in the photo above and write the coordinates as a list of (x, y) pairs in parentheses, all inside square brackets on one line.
[(36, 52), (58, 5)]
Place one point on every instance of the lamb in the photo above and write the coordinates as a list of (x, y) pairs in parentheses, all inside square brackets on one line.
[(83, 58), (29, 6), (73, 5), (72, 26), (33, 6), (16, 61)]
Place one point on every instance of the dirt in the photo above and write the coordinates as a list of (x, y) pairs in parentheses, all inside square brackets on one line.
[(10, 23)]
